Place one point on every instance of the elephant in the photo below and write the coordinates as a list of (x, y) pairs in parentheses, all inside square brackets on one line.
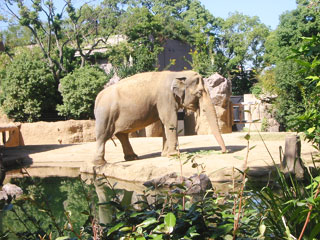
[(144, 98)]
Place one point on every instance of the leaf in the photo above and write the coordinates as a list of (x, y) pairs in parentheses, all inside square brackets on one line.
[(315, 231), (311, 130), (115, 228), (159, 228), (195, 165), (252, 147), (311, 200), (313, 78), (140, 238), (247, 137), (125, 229), (170, 221), (136, 214), (156, 237), (300, 204), (262, 229), (63, 238), (147, 222), (303, 63)]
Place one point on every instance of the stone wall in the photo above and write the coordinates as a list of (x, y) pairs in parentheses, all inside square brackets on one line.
[(260, 112), (61, 132)]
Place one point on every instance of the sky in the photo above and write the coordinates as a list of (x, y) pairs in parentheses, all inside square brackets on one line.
[(268, 11)]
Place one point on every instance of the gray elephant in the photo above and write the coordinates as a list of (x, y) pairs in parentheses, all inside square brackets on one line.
[(144, 98)]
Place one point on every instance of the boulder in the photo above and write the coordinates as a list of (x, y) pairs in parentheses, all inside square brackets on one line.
[(220, 91), (196, 184)]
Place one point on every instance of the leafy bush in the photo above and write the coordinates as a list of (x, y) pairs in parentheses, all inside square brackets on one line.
[(308, 121), (79, 90), (28, 87)]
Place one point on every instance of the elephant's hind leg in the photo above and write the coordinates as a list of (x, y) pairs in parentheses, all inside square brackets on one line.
[(103, 133), (126, 146)]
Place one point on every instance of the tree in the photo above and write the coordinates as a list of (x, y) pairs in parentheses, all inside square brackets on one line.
[(14, 36), (240, 46), (91, 26), (56, 31), (79, 90), (49, 35), (28, 87), (309, 121), (294, 25)]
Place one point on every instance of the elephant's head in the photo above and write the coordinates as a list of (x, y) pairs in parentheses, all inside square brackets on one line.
[(190, 92)]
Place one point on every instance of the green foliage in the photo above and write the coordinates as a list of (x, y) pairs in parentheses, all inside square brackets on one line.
[(28, 87), (301, 22), (284, 207), (203, 55), (79, 90), (308, 121), (41, 211), (143, 31), (266, 83), (241, 41), (67, 209), (240, 45), (13, 36)]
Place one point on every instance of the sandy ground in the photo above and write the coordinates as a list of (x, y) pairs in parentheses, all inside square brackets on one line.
[(69, 159)]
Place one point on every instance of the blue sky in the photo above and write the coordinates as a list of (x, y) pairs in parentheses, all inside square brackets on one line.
[(267, 10)]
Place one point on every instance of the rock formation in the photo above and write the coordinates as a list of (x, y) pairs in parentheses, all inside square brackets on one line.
[(220, 92)]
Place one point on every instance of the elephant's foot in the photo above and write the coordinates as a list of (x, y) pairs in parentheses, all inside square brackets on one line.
[(131, 157), (169, 153)]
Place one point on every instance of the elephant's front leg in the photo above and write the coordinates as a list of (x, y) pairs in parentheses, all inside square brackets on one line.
[(170, 138)]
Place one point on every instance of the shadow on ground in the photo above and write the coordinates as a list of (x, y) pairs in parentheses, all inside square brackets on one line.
[(217, 150), (17, 157)]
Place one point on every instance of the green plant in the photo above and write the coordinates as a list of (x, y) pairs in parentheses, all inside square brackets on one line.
[(79, 90), (264, 124), (307, 56), (28, 89), (50, 208)]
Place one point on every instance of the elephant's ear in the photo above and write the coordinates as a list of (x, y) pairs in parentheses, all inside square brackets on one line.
[(178, 87)]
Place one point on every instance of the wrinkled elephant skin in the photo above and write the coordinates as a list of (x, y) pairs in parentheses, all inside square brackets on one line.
[(144, 98)]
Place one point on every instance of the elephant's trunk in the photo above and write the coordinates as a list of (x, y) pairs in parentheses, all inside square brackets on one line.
[(207, 107)]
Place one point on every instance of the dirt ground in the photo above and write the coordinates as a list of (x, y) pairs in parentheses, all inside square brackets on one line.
[(70, 159)]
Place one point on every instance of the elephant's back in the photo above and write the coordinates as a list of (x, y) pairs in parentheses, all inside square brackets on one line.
[(141, 79)]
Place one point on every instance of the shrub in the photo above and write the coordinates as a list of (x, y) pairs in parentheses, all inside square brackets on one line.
[(308, 121), (28, 87), (79, 90)]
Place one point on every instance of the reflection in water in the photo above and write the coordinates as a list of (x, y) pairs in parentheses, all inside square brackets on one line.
[(107, 194), (75, 196)]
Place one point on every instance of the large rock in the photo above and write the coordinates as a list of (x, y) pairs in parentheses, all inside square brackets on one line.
[(220, 92), (196, 184)]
